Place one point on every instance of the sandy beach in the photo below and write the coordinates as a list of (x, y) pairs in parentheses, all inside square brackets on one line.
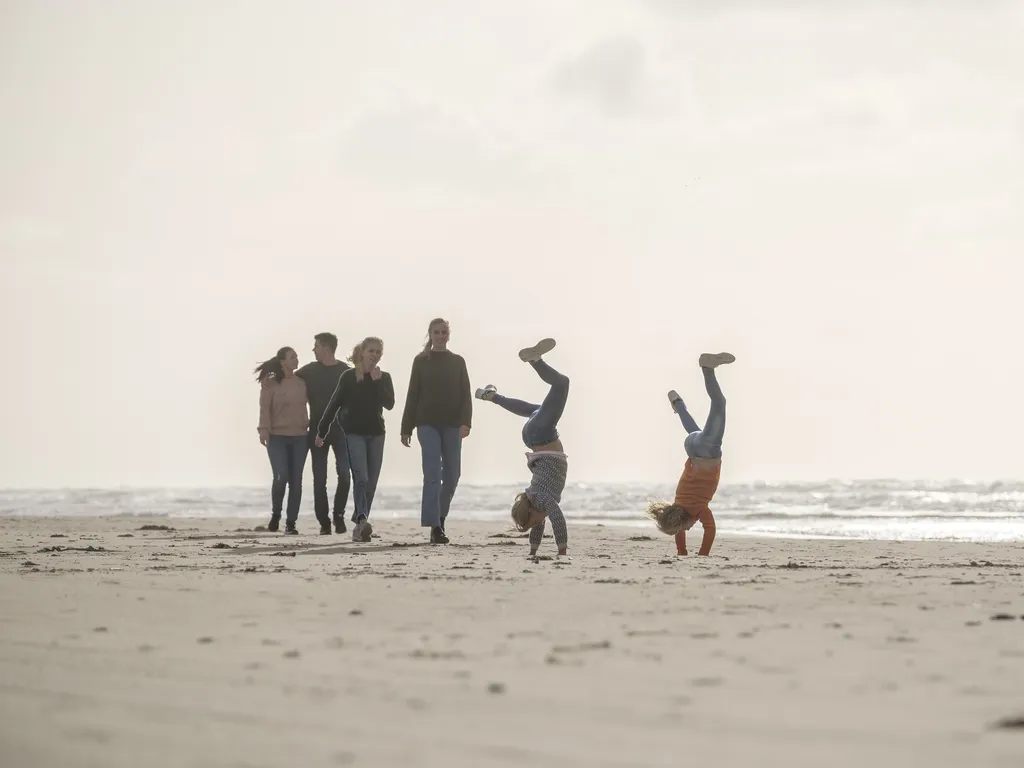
[(214, 645)]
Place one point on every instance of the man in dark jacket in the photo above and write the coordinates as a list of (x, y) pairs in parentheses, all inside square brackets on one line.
[(321, 380)]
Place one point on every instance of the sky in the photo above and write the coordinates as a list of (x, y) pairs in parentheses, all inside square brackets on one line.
[(833, 191)]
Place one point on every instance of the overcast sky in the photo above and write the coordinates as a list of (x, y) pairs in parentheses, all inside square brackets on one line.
[(833, 191)]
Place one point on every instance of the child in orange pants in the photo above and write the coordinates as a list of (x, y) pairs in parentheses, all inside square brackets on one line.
[(699, 481)]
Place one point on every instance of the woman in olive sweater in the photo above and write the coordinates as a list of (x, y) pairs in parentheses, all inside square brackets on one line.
[(439, 405)]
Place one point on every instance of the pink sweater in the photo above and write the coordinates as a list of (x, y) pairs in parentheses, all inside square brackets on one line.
[(283, 407)]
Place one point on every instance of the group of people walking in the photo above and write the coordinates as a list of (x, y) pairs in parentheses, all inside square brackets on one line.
[(332, 407), (329, 407)]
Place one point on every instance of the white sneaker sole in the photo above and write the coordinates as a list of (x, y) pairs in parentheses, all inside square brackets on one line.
[(713, 360), (537, 351)]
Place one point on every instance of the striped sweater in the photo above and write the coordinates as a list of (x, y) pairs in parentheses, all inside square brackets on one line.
[(549, 469)]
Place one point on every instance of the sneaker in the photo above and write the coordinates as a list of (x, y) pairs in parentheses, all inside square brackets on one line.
[(289, 529), (339, 525), (673, 398), (437, 535), (713, 360), (325, 530), (274, 524), (537, 351), (487, 392), (362, 532)]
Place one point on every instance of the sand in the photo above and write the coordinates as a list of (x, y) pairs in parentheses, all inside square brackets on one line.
[(212, 646)]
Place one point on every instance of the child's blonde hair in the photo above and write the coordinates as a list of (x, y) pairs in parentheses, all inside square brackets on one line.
[(670, 518), (521, 509)]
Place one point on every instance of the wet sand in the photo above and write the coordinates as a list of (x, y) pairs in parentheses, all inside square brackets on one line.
[(207, 645)]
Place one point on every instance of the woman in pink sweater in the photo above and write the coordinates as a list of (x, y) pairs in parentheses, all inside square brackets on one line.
[(284, 421)]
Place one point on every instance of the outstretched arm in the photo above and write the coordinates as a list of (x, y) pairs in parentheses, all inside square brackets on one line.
[(553, 512), (681, 543), (707, 520), (411, 399), (323, 429), (537, 536), (465, 398), (266, 398)]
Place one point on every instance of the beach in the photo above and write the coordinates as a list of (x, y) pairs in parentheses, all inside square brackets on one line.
[(211, 644)]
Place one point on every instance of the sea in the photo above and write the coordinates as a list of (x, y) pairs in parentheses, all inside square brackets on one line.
[(888, 510)]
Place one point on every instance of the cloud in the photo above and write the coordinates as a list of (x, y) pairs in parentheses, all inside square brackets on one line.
[(611, 74), (431, 147)]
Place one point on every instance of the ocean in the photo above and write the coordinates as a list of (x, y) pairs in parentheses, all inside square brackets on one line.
[(881, 509)]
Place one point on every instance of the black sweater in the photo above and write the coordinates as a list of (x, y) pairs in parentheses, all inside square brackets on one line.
[(439, 394), (359, 405)]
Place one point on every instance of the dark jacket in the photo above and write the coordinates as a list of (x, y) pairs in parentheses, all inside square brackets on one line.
[(358, 405)]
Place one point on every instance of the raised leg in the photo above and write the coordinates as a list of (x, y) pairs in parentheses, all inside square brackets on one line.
[(518, 407), (543, 425), (689, 423), (714, 427)]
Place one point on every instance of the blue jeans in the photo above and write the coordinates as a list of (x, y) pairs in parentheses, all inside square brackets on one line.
[(705, 443), (287, 459), (441, 449), (365, 456), (541, 425), (319, 458)]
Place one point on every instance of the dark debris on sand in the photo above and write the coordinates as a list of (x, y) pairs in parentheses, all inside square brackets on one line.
[(1013, 723)]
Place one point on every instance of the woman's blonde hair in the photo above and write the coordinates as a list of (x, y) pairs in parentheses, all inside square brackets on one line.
[(356, 358), (670, 518), (430, 326), (521, 509)]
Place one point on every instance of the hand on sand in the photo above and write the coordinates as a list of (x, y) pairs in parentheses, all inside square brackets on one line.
[(406, 440), (463, 431)]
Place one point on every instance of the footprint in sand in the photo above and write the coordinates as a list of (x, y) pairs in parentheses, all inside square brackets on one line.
[(706, 682)]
